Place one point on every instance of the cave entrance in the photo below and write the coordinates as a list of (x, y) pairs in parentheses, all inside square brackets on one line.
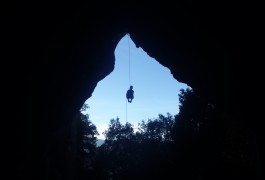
[(156, 90)]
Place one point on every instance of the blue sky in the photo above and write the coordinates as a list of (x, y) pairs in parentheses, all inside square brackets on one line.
[(155, 89)]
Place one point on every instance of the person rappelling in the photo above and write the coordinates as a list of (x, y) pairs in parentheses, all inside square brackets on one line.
[(130, 94)]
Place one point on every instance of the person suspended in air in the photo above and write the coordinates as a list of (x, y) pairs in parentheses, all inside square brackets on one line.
[(130, 94)]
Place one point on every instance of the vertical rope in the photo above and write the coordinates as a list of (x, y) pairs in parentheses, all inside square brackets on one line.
[(129, 69), (126, 110), (129, 59)]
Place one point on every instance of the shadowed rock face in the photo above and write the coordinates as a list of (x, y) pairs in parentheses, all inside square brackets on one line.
[(67, 48)]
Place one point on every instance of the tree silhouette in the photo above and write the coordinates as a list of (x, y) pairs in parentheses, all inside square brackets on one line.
[(126, 154), (117, 131), (168, 146), (193, 144), (86, 143), (158, 129), (198, 137)]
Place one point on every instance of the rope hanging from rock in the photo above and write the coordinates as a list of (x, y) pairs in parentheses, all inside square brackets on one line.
[(130, 91)]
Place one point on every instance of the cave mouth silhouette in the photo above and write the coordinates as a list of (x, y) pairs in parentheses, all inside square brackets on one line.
[(156, 89), (65, 45)]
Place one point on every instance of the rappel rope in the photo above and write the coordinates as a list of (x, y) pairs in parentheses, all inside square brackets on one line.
[(129, 59), (129, 68)]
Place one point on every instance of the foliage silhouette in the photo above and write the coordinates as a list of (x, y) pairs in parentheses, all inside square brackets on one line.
[(86, 144), (127, 154), (189, 145), (158, 129)]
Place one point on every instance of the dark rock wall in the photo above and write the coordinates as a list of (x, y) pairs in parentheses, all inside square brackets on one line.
[(64, 49)]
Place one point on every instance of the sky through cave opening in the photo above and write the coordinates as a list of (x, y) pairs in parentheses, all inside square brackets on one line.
[(155, 89)]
